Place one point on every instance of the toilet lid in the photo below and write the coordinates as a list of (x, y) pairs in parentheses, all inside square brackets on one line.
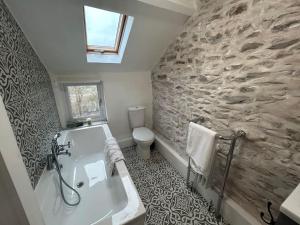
[(143, 134)]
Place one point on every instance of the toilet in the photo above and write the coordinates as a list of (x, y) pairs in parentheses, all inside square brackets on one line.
[(142, 135)]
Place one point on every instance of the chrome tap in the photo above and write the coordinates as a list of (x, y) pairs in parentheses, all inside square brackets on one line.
[(56, 150), (52, 162), (62, 151)]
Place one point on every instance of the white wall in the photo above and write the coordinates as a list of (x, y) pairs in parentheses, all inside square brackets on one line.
[(121, 91), (186, 7)]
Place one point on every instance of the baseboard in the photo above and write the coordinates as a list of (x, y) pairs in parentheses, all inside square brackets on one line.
[(232, 212), (125, 142)]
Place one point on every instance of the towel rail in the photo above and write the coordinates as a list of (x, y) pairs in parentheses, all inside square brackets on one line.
[(233, 138)]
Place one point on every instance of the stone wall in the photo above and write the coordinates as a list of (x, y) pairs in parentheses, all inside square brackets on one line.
[(237, 63)]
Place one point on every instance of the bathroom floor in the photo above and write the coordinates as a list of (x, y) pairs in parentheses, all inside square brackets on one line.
[(164, 193)]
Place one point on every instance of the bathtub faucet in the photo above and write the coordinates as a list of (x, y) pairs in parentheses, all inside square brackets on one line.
[(52, 161), (61, 149), (56, 150)]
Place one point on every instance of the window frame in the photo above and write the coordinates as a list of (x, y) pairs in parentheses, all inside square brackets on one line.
[(103, 49), (102, 107)]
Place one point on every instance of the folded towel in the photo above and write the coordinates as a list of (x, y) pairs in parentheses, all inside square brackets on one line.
[(201, 149), (113, 154)]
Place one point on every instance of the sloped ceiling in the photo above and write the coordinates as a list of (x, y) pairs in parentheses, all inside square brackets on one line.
[(55, 29)]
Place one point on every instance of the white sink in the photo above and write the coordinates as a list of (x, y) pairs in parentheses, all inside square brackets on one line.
[(291, 206)]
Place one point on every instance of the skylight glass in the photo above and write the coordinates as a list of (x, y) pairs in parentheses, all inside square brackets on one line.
[(107, 34), (102, 28)]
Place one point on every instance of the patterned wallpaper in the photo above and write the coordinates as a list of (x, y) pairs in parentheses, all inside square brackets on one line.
[(27, 94)]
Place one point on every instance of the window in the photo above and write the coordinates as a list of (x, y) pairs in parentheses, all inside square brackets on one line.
[(85, 101), (104, 30)]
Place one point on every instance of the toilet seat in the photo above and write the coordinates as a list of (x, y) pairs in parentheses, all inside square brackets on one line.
[(143, 134)]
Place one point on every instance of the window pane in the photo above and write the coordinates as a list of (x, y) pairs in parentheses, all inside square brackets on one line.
[(101, 27), (84, 101)]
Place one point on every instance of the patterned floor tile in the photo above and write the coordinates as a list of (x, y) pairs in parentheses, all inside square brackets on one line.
[(164, 193)]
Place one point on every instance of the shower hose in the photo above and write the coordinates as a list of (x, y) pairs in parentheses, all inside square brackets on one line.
[(61, 182)]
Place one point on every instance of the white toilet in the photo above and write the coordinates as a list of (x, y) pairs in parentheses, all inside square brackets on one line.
[(142, 135)]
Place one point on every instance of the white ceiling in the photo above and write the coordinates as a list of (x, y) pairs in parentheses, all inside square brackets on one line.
[(55, 29)]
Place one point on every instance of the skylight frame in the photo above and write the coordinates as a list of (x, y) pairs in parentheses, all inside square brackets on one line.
[(119, 36)]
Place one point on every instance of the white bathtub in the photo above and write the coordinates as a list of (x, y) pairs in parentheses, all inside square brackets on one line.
[(105, 200), (232, 212)]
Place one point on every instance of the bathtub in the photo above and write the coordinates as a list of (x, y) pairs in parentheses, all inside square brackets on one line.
[(105, 200), (232, 212)]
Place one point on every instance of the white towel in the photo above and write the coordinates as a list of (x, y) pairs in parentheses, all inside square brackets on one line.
[(113, 154), (200, 148)]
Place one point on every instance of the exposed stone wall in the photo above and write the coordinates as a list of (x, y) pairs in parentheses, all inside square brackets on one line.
[(237, 63)]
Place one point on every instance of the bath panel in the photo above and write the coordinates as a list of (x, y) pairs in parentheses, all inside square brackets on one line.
[(105, 199)]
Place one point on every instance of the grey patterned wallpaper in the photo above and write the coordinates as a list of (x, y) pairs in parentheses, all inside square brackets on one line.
[(27, 94)]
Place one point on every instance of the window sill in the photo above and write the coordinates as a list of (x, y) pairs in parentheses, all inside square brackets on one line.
[(96, 123)]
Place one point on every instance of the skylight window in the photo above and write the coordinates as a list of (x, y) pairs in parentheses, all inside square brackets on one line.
[(104, 30)]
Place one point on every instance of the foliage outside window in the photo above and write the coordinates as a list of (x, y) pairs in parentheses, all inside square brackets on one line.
[(85, 101)]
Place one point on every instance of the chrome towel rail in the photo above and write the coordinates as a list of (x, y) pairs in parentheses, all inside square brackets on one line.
[(233, 138)]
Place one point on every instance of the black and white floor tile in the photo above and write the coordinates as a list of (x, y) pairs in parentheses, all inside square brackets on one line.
[(164, 193)]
